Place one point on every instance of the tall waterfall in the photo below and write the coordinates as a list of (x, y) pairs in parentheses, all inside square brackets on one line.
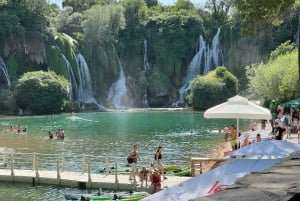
[(118, 90), (3, 68), (71, 78), (81, 91), (85, 90), (206, 59), (146, 63)]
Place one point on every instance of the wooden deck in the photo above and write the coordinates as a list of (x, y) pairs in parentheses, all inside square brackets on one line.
[(79, 180)]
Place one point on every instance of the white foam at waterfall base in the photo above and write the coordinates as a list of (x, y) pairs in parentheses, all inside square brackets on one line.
[(117, 91), (209, 56)]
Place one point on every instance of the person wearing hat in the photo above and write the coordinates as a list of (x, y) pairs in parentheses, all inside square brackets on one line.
[(277, 131)]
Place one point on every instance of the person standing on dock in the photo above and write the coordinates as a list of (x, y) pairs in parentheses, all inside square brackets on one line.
[(132, 160), (158, 158), (233, 135)]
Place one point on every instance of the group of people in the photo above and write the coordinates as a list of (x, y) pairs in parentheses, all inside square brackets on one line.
[(155, 176), (284, 123), (231, 136), (60, 134)]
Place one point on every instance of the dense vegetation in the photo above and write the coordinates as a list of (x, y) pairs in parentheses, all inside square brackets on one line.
[(42, 92), (112, 35)]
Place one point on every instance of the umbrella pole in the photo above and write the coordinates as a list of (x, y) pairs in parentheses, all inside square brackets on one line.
[(237, 133)]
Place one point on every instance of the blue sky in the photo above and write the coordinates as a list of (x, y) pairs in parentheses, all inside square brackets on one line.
[(165, 2)]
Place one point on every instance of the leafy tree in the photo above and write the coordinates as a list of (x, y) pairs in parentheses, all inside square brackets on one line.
[(275, 80), (135, 13), (282, 49), (217, 86), (219, 10), (68, 21), (102, 24), (24, 17), (151, 3), (254, 15), (184, 4), (42, 92), (82, 5)]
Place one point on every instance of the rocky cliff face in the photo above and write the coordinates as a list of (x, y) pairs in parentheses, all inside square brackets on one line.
[(147, 84)]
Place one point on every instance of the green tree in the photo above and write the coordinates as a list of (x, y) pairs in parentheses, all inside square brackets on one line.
[(42, 92), (275, 80), (68, 21), (184, 4), (217, 86), (254, 15), (219, 10), (102, 24), (82, 5)]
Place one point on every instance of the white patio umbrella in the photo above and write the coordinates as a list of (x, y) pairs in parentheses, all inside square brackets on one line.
[(277, 148), (212, 181), (238, 107)]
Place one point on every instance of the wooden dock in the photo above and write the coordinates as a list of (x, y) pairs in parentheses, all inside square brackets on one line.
[(82, 180)]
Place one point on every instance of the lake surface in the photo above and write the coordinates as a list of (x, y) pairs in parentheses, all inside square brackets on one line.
[(183, 134)]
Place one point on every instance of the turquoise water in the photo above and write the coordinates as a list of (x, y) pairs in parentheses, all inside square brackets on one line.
[(183, 134)]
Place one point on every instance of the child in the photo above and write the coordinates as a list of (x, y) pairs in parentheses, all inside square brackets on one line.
[(143, 174), (155, 182)]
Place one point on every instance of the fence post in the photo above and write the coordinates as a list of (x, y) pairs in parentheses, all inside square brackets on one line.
[(62, 162), (5, 157), (116, 176), (107, 165), (58, 172), (37, 169), (83, 164), (89, 174), (12, 173), (34, 161)]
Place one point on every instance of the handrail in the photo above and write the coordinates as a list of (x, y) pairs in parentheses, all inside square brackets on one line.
[(37, 162)]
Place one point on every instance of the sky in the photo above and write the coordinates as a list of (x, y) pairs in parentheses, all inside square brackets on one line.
[(197, 3)]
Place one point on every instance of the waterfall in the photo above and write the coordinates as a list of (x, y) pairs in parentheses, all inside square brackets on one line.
[(71, 78), (118, 90), (81, 91), (3, 68), (146, 63), (145, 101), (205, 59), (85, 90)]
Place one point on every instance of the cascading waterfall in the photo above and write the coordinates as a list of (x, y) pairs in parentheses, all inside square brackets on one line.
[(82, 91), (85, 90), (3, 68), (206, 59), (146, 68), (146, 63), (71, 78), (145, 101), (118, 90)]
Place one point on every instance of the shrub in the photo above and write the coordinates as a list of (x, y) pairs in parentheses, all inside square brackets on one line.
[(42, 92)]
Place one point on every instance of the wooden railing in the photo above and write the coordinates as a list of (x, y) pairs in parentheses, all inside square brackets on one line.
[(198, 165)]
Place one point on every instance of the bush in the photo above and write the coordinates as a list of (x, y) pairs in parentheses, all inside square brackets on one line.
[(212, 89), (42, 92)]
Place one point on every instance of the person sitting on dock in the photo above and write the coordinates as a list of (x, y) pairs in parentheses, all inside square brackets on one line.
[(155, 182), (143, 174)]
